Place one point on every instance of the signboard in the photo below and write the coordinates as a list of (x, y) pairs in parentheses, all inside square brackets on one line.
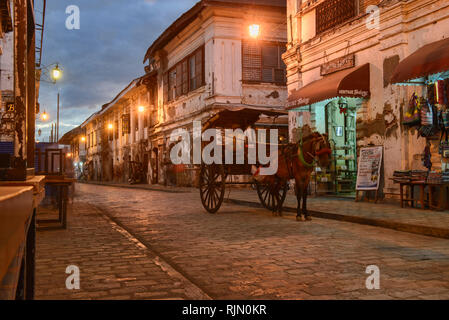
[(370, 163), (338, 64)]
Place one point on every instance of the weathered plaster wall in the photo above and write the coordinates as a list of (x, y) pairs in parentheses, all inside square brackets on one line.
[(404, 27)]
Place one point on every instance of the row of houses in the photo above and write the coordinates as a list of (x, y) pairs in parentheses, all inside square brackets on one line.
[(329, 62), (206, 61)]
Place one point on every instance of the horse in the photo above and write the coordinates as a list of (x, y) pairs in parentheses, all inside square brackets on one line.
[(297, 160)]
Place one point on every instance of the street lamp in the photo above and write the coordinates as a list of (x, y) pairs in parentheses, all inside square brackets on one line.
[(254, 30), (44, 116), (52, 73), (56, 73), (83, 139), (110, 126), (141, 109)]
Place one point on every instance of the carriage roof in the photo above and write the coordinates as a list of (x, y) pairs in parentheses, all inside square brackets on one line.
[(240, 117)]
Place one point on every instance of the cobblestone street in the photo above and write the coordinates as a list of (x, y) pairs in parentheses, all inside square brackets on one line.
[(134, 244)]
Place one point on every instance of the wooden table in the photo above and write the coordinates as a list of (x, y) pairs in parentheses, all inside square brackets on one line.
[(411, 199), (62, 185), (443, 201)]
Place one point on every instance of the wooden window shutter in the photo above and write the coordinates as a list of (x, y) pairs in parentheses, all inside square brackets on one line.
[(199, 67), (185, 77), (252, 62), (165, 86), (178, 80)]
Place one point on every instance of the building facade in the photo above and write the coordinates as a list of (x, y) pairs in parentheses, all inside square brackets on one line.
[(208, 60), (333, 44)]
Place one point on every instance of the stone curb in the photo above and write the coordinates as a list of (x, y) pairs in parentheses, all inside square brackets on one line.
[(134, 186), (398, 226)]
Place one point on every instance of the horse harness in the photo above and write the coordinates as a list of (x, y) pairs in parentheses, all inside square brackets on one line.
[(293, 150)]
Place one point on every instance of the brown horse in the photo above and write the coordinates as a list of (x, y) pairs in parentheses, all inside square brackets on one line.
[(297, 161)]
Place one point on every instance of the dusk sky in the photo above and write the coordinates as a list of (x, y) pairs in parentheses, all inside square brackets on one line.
[(100, 58)]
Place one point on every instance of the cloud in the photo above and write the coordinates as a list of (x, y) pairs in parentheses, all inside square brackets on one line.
[(103, 56)]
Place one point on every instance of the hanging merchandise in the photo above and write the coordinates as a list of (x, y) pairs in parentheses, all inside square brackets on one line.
[(426, 113), (440, 92), (412, 116), (427, 157), (431, 94)]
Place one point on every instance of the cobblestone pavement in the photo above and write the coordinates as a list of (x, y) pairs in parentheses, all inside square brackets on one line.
[(246, 253), (112, 264), (390, 212)]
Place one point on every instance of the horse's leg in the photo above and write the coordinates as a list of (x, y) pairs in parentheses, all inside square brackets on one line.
[(304, 201), (278, 198), (299, 193), (276, 210)]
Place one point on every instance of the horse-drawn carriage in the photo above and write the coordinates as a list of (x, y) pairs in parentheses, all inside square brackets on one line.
[(214, 177), (294, 161)]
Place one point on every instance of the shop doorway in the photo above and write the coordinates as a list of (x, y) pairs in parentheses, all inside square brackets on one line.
[(338, 119)]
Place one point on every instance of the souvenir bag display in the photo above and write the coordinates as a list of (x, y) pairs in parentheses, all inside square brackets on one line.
[(426, 113), (444, 141), (429, 119), (412, 116)]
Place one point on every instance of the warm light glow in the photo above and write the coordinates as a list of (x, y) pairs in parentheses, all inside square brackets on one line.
[(254, 30), (83, 139), (69, 155), (141, 108), (44, 116), (110, 126), (56, 73)]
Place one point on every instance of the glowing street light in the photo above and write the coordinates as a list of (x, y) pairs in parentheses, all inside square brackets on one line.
[(83, 139), (254, 30), (141, 109), (44, 116), (110, 126), (56, 73), (69, 155)]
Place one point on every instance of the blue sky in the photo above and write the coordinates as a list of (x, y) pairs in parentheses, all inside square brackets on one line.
[(100, 58)]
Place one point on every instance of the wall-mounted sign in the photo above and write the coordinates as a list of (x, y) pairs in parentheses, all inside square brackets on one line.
[(370, 163), (338, 64)]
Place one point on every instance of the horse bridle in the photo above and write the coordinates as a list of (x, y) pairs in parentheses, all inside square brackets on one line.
[(324, 150)]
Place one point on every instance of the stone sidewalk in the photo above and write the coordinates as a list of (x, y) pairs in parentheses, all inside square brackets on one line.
[(112, 263), (386, 215)]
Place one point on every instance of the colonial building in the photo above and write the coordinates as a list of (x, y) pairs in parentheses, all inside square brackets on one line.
[(340, 59), (218, 55)]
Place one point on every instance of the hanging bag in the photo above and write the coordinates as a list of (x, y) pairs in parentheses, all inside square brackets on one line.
[(426, 113), (412, 116)]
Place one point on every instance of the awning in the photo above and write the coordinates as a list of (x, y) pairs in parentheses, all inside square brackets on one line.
[(351, 83), (430, 59), (233, 117)]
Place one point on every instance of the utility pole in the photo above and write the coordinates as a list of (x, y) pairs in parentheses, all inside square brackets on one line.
[(57, 122)]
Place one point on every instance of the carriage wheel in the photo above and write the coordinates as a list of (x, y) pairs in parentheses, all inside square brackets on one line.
[(212, 186), (267, 196)]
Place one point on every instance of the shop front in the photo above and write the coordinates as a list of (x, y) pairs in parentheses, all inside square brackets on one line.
[(330, 105), (427, 71)]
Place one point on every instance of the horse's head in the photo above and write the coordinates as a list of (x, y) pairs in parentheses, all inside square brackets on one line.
[(322, 150)]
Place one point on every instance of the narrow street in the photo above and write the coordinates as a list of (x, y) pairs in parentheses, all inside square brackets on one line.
[(136, 244)]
